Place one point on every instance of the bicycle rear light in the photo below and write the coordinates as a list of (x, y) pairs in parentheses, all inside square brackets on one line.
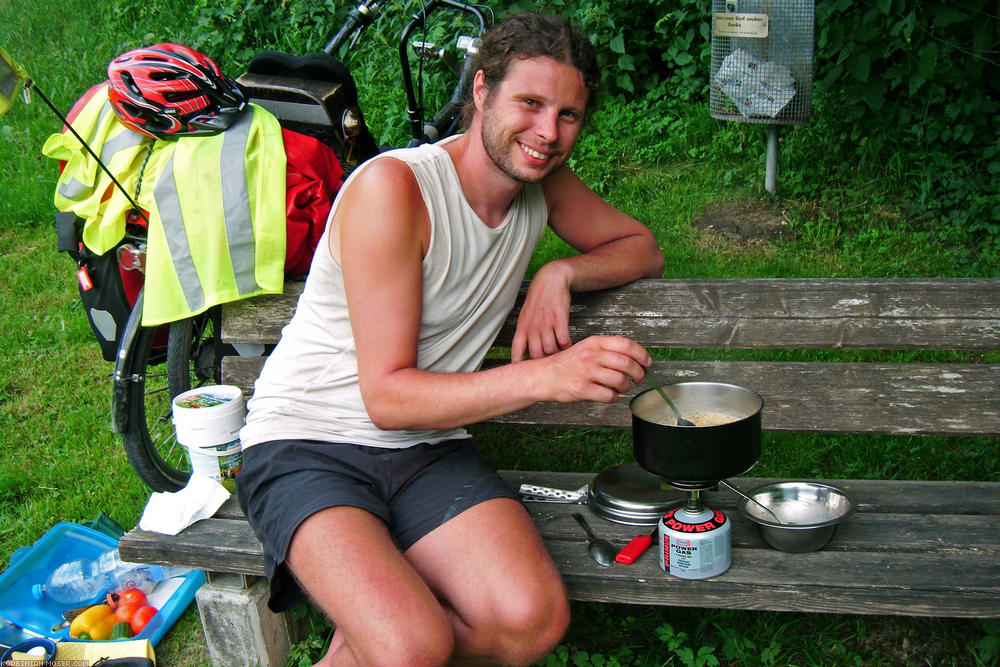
[(131, 258)]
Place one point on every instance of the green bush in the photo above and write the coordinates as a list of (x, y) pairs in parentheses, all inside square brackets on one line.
[(906, 119), (905, 93), (914, 84)]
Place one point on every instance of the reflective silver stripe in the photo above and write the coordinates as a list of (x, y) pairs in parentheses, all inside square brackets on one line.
[(8, 79), (105, 110), (236, 204), (169, 206), (74, 189), (124, 139)]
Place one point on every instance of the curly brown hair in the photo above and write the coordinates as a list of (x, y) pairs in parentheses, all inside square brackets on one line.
[(528, 35)]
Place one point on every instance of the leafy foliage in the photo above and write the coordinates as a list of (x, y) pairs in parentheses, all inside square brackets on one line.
[(905, 92), (917, 82)]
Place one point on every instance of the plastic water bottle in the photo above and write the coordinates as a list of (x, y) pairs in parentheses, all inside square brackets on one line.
[(80, 581)]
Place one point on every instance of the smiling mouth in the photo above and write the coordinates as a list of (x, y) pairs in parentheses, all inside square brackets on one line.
[(533, 153)]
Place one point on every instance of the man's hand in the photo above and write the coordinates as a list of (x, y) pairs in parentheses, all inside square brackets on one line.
[(613, 247), (543, 323), (598, 368)]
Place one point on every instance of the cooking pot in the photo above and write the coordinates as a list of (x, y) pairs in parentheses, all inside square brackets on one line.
[(725, 441)]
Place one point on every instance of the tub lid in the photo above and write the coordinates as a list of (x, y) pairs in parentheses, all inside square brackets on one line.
[(629, 494)]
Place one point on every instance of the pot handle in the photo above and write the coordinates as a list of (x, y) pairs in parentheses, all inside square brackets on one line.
[(548, 494)]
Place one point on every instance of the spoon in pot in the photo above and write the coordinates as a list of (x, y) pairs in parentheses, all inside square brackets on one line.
[(677, 414), (599, 549)]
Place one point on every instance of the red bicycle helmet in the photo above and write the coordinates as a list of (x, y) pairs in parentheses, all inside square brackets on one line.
[(168, 90)]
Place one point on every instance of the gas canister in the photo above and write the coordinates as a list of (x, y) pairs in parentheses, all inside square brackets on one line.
[(695, 542)]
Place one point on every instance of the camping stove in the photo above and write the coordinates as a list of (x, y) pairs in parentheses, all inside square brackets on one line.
[(723, 442), (695, 541)]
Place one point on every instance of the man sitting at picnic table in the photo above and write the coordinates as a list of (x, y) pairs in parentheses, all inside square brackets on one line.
[(358, 477)]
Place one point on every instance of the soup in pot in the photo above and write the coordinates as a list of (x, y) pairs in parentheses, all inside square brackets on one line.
[(703, 418)]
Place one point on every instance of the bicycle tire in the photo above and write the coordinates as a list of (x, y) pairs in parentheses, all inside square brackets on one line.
[(193, 355), (158, 374)]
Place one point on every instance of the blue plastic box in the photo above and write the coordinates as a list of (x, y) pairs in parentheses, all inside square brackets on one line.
[(63, 543)]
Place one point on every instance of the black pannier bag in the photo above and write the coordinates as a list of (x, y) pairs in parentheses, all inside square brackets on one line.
[(100, 282)]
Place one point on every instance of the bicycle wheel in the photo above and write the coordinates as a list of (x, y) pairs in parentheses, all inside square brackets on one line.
[(159, 364), (193, 353)]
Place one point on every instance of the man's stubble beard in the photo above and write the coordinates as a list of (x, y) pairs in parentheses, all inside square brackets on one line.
[(499, 151)]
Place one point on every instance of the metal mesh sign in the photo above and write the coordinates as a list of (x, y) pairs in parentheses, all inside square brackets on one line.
[(762, 53)]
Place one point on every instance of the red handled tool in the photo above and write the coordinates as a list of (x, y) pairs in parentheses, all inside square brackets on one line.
[(635, 548)]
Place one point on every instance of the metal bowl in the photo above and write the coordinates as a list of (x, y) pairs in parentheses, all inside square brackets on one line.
[(809, 514)]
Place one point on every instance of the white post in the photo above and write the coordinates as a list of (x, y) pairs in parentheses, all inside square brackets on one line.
[(771, 176)]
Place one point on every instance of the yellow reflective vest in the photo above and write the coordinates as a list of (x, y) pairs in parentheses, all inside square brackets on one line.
[(216, 205)]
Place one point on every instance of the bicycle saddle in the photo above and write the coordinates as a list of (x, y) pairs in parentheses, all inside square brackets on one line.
[(313, 66)]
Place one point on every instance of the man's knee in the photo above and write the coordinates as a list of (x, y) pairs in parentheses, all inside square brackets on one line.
[(422, 646), (532, 629)]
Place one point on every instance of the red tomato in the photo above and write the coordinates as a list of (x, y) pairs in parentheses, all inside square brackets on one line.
[(141, 617), (126, 610), (133, 595)]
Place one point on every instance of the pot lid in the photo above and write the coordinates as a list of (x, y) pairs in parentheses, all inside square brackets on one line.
[(629, 494)]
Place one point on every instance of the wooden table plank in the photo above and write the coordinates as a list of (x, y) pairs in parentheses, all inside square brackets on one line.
[(974, 572), (884, 496), (805, 599), (214, 545), (751, 313), (933, 584), (873, 532), (891, 496), (942, 561), (811, 397)]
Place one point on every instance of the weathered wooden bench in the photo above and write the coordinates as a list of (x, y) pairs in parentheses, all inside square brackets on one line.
[(919, 548)]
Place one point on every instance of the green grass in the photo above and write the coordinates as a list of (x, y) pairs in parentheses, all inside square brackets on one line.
[(638, 636), (62, 463)]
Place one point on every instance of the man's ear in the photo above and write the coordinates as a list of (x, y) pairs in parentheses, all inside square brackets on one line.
[(479, 91)]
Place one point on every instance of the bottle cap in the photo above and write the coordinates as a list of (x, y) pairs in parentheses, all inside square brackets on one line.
[(38, 591)]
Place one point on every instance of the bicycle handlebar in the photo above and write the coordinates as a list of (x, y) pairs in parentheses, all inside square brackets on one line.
[(364, 14), (360, 18), (445, 119)]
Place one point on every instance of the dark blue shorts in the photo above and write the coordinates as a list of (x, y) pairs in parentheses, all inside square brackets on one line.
[(413, 490)]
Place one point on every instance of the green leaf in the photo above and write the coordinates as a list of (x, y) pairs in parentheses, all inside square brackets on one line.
[(874, 94), (907, 24), (928, 59), (706, 657), (617, 43), (943, 15), (859, 66), (683, 58), (624, 81)]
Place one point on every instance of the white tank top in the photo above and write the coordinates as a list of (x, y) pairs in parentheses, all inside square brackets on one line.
[(471, 276)]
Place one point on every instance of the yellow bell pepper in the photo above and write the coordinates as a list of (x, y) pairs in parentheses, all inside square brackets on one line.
[(94, 623)]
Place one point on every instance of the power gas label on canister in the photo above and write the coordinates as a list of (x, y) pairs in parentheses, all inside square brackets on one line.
[(695, 545)]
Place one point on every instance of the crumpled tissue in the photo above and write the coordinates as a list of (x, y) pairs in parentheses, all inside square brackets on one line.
[(757, 87), (169, 513)]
